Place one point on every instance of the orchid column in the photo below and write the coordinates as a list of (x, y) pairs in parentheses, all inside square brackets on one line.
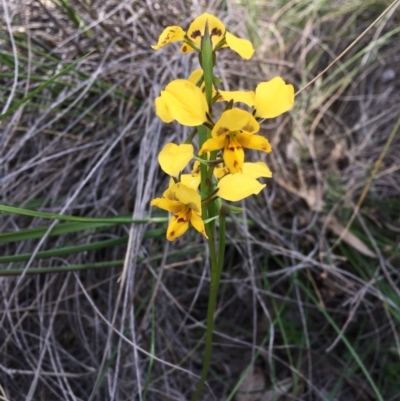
[(220, 170)]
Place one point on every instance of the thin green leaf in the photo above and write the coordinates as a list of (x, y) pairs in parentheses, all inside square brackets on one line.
[(39, 88), (55, 216), (68, 250)]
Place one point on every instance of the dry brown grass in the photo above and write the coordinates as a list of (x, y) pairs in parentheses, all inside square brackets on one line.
[(87, 145)]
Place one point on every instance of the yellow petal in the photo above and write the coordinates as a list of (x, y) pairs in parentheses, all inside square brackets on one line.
[(241, 46), (184, 103), (162, 110), (196, 167), (235, 120), (198, 223), (256, 170), (185, 48), (167, 204), (185, 195), (178, 225), (256, 142), (220, 171), (233, 155), (170, 34), (191, 180), (174, 158), (235, 187), (195, 76), (213, 144), (215, 27), (237, 96), (273, 98)]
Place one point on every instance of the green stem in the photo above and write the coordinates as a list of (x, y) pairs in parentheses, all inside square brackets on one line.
[(216, 270), (221, 246), (215, 276), (217, 260)]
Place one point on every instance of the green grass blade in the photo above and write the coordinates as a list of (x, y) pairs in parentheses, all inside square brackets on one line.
[(68, 250), (55, 216), (62, 269), (38, 232), (19, 103), (345, 341)]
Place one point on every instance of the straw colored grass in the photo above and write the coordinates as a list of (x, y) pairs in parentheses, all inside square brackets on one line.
[(309, 300)]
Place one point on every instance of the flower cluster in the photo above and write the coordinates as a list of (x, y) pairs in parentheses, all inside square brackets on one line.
[(220, 168)]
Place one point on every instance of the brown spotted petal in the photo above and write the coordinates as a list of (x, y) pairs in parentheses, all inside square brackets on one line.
[(235, 120), (169, 35), (197, 28)]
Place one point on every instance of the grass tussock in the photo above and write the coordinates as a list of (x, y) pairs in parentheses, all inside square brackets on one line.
[(309, 300)]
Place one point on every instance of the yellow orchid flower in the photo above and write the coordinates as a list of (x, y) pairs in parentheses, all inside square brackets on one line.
[(174, 158), (185, 204), (233, 132), (182, 101), (196, 31), (270, 100)]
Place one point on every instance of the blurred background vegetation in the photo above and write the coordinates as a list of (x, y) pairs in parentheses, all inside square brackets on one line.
[(93, 307)]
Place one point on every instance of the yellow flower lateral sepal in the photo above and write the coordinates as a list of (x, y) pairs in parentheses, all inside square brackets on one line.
[(254, 170), (233, 132), (196, 31), (182, 101), (270, 100), (257, 170), (174, 158), (235, 187), (185, 204)]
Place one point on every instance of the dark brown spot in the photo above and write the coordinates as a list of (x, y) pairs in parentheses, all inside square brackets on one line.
[(216, 32), (184, 49), (248, 128), (180, 220), (222, 130), (235, 163), (233, 147), (195, 34), (172, 233)]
